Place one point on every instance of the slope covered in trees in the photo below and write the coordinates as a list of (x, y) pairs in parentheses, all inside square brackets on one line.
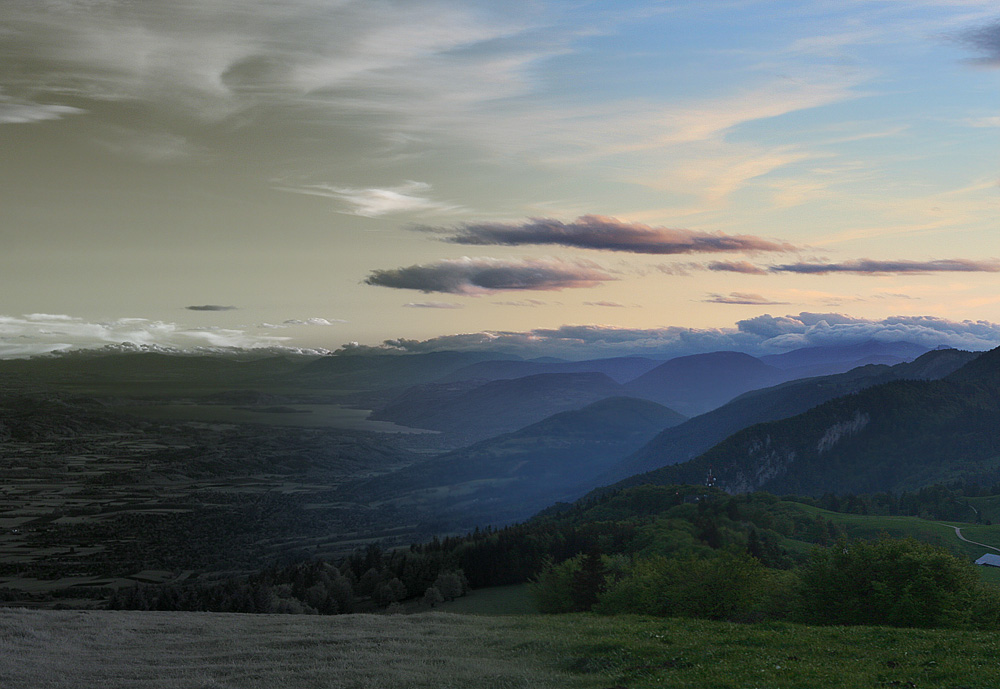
[(899, 435), (686, 441)]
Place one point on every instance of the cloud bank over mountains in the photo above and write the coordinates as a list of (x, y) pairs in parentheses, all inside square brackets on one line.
[(35, 334), (761, 335)]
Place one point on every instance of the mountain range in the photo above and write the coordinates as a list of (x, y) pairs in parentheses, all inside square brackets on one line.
[(901, 434)]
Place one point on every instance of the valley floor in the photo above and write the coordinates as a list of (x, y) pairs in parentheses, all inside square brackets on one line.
[(143, 650)]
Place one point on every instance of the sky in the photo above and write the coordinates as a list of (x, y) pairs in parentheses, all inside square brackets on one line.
[(562, 178)]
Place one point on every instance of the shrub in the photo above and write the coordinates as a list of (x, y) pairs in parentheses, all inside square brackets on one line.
[(895, 582)]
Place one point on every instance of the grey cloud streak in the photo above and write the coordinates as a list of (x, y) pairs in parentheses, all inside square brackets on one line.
[(985, 40), (473, 276), (210, 307), (609, 234), (741, 298), (433, 305), (866, 266), (744, 267)]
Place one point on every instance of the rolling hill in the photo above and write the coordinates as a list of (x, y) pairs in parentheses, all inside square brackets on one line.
[(499, 406), (699, 383), (514, 475)]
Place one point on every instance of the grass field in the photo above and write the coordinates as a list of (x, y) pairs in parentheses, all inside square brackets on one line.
[(936, 533), (498, 600), (57, 650), (142, 650)]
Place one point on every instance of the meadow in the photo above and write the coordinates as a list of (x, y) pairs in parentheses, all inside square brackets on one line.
[(154, 650)]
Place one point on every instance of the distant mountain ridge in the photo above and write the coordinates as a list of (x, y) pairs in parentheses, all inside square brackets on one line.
[(698, 383), (898, 435), (696, 435), (514, 475), (498, 406), (619, 369), (373, 371)]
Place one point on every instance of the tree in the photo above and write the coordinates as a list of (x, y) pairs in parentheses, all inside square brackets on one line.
[(449, 584), (588, 582), (432, 597)]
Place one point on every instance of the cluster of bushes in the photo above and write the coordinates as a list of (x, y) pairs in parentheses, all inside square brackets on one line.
[(368, 579), (897, 582)]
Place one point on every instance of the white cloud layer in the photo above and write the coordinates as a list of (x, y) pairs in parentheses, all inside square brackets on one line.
[(41, 333), (15, 112), (372, 203)]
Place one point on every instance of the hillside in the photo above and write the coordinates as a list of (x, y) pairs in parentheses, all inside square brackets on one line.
[(499, 406), (699, 383), (514, 475), (687, 440), (897, 435), (374, 371), (619, 369), (859, 354)]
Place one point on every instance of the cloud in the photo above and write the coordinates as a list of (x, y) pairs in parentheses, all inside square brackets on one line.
[(40, 333), (984, 122), (292, 322), (865, 266), (530, 303), (760, 335), (373, 202), (609, 234), (488, 275), (736, 267), (985, 40), (210, 307), (741, 298), (150, 147), (680, 269), (314, 321), (213, 59), (433, 305), (13, 112), (604, 303)]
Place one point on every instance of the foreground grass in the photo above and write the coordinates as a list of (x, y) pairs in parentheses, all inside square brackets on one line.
[(146, 650), (638, 652), (216, 651)]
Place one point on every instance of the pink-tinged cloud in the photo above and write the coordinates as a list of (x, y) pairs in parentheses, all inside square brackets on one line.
[(741, 298), (488, 275), (865, 266), (744, 267), (609, 234)]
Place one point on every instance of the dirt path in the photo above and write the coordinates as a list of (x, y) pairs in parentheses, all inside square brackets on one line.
[(958, 532)]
